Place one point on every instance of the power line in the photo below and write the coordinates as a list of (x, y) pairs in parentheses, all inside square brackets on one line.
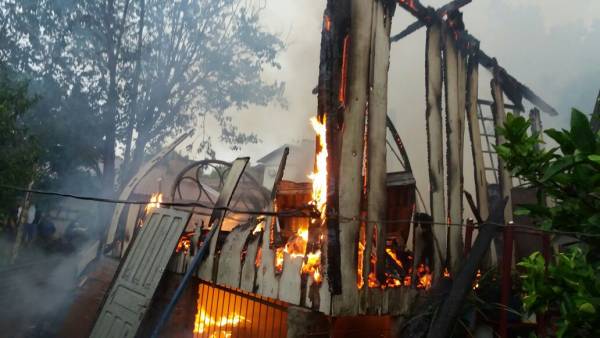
[(307, 212)]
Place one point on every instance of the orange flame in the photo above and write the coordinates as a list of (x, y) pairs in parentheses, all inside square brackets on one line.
[(183, 245), (204, 322), (155, 201)]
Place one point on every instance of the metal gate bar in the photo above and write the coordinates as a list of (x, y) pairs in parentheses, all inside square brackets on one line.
[(226, 312)]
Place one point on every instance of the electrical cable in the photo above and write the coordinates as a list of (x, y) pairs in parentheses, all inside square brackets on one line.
[(307, 212)]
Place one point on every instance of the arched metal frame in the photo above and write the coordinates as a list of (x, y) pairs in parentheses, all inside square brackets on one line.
[(251, 195)]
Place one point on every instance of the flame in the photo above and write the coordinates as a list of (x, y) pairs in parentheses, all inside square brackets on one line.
[(424, 275), (279, 259), (155, 201), (258, 228), (183, 244), (204, 322), (394, 257), (319, 177), (359, 271), (446, 273), (311, 265)]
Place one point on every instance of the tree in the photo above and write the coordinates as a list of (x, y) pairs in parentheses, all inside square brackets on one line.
[(568, 185), (18, 151), (133, 72)]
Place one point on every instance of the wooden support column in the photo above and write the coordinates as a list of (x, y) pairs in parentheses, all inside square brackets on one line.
[(377, 168), (350, 179), (455, 84), (481, 194), (433, 78), (505, 177)]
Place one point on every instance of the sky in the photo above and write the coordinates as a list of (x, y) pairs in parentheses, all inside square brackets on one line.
[(552, 46)]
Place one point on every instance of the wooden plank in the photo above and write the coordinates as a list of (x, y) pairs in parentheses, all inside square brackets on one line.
[(290, 283), (454, 67), (248, 278), (505, 177), (139, 274), (481, 195), (377, 165), (267, 282), (350, 179), (144, 170), (435, 156), (230, 264), (206, 269)]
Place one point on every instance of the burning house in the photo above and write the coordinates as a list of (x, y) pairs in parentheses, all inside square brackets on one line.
[(236, 255)]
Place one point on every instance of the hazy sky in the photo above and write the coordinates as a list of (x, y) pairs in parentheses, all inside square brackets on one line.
[(553, 46)]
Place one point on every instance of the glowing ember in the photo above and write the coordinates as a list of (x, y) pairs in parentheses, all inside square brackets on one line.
[(155, 201), (183, 245), (424, 277), (327, 23), (477, 279), (394, 257), (446, 273)]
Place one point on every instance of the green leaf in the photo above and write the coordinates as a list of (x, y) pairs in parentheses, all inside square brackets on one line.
[(594, 158), (581, 131), (587, 308), (558, 166), (563, 139)]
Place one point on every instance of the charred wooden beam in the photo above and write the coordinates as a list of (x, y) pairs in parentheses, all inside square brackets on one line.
[(350, 176), (333, 70), (455, 85), (499, 118), (475, 136), (468, 44), (429, 17), (433, 82)]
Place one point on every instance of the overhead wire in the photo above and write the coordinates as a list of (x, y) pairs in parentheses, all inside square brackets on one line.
[(307, 212)]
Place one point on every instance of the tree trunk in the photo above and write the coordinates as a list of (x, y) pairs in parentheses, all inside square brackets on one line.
[(111, 105)]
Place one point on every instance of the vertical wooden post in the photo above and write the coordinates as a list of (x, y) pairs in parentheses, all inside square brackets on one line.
[(536, 123), (350, 180), (506, 281), (505, 177), (433, 112), (377, 130), (475, 135), (455, 84)]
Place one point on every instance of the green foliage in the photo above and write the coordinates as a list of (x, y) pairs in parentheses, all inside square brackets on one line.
[(18, 151), (569, 286), (568, 175)]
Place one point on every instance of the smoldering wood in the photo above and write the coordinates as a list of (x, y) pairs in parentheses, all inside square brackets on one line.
[(499, 118), (351, 154), (454, 136), (475, 137), (433, 112)]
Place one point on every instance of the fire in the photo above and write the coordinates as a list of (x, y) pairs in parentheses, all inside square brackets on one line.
[(424, 277), (258, 228), (446, 273), (311, 265), (359, 270), (279, 259), (477, 278), (327, 23), (394, 257), (183, 245), (205, 322), (319, 177), (155, 201)]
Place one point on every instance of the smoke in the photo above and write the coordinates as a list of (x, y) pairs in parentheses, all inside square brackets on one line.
[(35, 290)]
